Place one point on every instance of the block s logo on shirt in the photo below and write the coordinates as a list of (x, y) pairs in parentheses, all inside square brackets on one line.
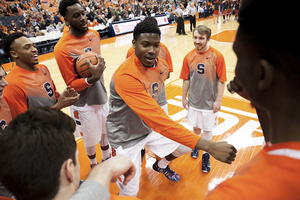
[(48, 89), (87, 49), (155, 90), (200, 68)]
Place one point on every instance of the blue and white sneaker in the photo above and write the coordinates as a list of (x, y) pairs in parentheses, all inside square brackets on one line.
[(195, 153), (205, 163), (170, 174)]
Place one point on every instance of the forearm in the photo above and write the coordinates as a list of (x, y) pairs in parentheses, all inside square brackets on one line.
[(101, 174), (221, 88), (185, 88)]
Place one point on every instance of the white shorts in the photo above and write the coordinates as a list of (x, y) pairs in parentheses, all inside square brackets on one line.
[(90, 122), (158, 144), (204, 119)]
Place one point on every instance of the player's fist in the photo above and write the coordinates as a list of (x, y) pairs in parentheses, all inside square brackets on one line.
[(223, 151)]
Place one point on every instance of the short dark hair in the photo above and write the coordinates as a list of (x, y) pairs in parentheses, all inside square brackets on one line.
[(151, 19), (145, 27), (9, 40), (64, 4), (273, 40), (32, 150)]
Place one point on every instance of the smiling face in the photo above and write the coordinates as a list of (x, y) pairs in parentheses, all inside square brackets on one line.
[(77, 19), (200, 42), (25, 54), (147, 48), (3, 82)]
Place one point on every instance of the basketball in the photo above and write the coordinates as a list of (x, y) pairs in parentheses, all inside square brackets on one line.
[(82, 67)]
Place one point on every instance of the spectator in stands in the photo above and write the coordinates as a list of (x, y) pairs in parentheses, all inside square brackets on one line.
[(34, 23), (43, 25), (56, 18), (59, 26), (30, 32), (38, 31), (112, 19), (21, 23), (50, 28), (95, 23)]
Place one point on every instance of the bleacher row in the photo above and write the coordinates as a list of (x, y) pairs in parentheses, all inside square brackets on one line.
[(46, 43), (6, 20)]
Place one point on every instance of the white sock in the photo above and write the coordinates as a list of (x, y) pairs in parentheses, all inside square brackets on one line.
[(163, 163), (90, 151), (207, 135), (105, 154), (93, 161)]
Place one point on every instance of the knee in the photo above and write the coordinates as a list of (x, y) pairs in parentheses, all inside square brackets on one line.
[(181, 150)]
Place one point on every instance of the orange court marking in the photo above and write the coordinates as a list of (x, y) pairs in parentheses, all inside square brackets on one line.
[(224, 36)]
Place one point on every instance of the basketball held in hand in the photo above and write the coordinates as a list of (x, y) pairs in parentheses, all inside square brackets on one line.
[(81, 65)]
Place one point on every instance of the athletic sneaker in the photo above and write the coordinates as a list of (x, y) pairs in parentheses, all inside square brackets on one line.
[(195, 153), (80, 182), (92, 165), (205, 163), (170, 174), (105, 159)]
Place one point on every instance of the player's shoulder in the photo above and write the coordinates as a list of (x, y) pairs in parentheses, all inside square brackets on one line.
[(94, 32), (61, 42), (129, 66), (217, 52), (191, 53), (42, 67)]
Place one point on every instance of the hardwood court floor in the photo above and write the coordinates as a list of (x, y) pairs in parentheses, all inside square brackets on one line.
[(238, 123)]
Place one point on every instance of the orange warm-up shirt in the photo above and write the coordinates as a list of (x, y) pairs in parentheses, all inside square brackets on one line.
[(274, 174), (205, 71), (166, 56), (134, 90), (27, 89), (66, 51)]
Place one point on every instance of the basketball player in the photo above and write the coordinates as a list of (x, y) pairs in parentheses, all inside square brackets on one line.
[(166, 56), (91, 109), (135, 119), (229, 9), (5, 115), (216, 10), (5, 118), (204, 76), (225, 10), (39, 160), (30, 84), (269, 72)]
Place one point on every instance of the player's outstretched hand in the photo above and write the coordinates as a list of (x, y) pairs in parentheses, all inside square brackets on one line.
[(223, 151), (96, 70), (111, 169), (67, 98), (234, 86), (121, 165)]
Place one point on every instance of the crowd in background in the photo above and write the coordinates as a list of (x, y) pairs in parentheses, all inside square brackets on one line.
[(33, 18)]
